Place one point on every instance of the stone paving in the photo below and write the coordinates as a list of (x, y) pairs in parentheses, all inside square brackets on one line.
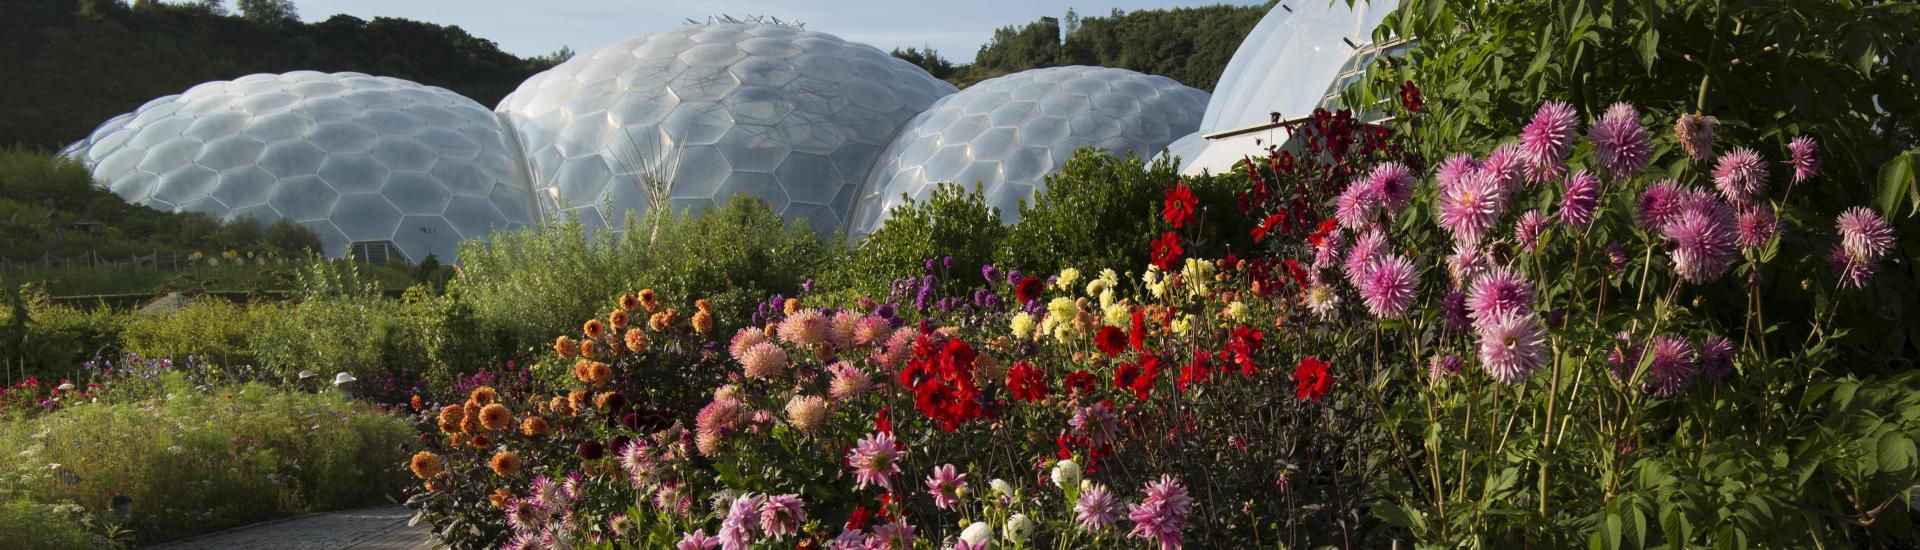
[(377, 528)]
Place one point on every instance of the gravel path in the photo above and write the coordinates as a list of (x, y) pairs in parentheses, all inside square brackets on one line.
[(377, 528)]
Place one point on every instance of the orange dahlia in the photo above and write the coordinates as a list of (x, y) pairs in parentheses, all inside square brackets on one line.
[(559, 406), (534, 426), (479, 442), (500, 498), (565, 347), (618, 319), (455, 440), (496, 417), (586, 348), (703, 305), (648, 300), (426, 465), (414, 402), (593, 329), (792, 305), (636, 340), (577, 400), (505, 463), (580, 369), (434, 485), (628, 302), (450, 416), (599, 373), (470, 419), (703, 322), (484, 395)]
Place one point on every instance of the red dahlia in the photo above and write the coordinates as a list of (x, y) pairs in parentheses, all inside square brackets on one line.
[(1027, 383), (1110, 340), (1311, 380), (1080, 382), (1029, 289), (1179, 208), (1166, 250)]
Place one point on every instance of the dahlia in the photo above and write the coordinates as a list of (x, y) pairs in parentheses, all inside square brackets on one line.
[(875, 459), (763, 361), (807, 413), (1468, 262), (1624, 357), (1179, 206), (1321, 299), (1167, 250), (1658, 204), (1469, 208), (1388, 288), (1442, 366), (1703, 237), (945, 485), (638, 462), (1018, 528), (1354, 208), (1499, 292), (1162, 515), (848, 381), (1453, 310), (495, 417), (805, 327), (1454, 170), (1620, 144), (426, 465), (1391, 184), (744, 340), (842, 328), (715, 421), (1581, 197), (1695, 133), (1327, 249), (1096, 423), (1864, 235), (697, 540), (1851, 271), (505, 463), (1804, 155), (1505, 166), (1756, 226), (1095, 510), (635, 340), (1673, 366), (1528, 228), (1311, 380), (1027, 383), (1716, 357), (1547, 140), (782, 515), (1741, 176), (736, 531), (1512, 346), (1360, 258), (871, 330), (1616, 258)]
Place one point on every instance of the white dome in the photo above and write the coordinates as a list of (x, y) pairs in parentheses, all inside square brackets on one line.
[(1286, 65), (355, 158), (1008, 133), (795, 117)]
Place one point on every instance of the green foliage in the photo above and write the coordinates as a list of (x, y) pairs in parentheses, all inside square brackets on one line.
[(198, 461), (53, 526), (343, 323), (950, 223), (536, 285), (1102, 210), (54, 339), (211, 329), (71, 64), (927, 59), (1191, 45)]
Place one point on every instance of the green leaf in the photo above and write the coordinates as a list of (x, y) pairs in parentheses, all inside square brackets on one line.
[(1649, 48), (1897, 452), (1897, 183)]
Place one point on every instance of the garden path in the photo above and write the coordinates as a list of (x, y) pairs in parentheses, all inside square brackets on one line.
[(376, 528)]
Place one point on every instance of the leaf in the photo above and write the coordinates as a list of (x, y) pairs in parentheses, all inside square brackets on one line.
[(1610, 531), (1397, 515), (1897, 183), (1897, 452), (1649, 48)]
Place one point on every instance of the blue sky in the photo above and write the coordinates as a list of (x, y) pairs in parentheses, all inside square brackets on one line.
[(530, 27)]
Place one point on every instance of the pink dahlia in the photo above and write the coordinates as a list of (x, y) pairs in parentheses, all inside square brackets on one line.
[(1095, 422), (1442, 366), (1456, 168), (875, 459), (843, 328), (1391, 184), (1095, 510), (1366, 249), (1162, 515), (1741, 176), (764, 360), (746, 339), (1673, 366), (873, 329), (1864, 234), (1469, 208), (1547, 140), (945, 485), (1578, 202), (1702, 236), (1756, 226), (1505, 165), (1695, 133), (1624, 357), (1620, 144), (1354, 208), (1388, 287), (638, 462), (1804, 154), (1498, 293), (1468, 262), (1616, 258), (697, 540), (1512, 346), (848, 381), (782, 515), (1852, 272), (720, 418), (805, 327), (1716, 357), (1327, 251), (1658, 204), (736, 531), (1528, 228), (1453, 310)]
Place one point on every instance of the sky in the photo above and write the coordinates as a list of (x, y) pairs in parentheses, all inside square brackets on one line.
[(955, 28)]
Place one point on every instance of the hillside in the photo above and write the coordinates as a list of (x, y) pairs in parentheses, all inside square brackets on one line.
[(1191, 45), (70, 64)]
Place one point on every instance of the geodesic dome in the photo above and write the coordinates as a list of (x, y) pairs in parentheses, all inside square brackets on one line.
[(1008, 133), (795, 117), (355, 158)]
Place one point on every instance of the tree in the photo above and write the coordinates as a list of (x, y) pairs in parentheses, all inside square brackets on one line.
[(269, 11), (927, 58)]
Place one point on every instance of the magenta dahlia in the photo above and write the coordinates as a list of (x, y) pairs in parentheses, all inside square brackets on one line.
[(1804, 154), (1354, 208), (1741, 176), (1499, 292), (1756, 226), (1096, 509), (1620, 144), (1360, 257), (1161, 517), (1716, 357), (1512, 346), (875, 459), (1658, 204), (1455, 169), (1527, 229), (1469, 208), (1505, 165), (1388, 286), (945, 485), (1673, 366), (1391, 184), (1851, 271), (1703, 239), (1582, 196), (1695, 133), (1547, 139), (1864, 234)]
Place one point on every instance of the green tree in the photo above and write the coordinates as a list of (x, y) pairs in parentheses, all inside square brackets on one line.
[(928, 59), (272, 12)]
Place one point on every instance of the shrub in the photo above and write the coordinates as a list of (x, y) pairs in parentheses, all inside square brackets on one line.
[(951, 223), (1102, 210), (198, 461), (212, 329), (54, 339)]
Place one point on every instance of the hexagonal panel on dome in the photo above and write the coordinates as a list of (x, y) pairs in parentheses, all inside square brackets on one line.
[(346, 154), (791, 115), (1007, 133)]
